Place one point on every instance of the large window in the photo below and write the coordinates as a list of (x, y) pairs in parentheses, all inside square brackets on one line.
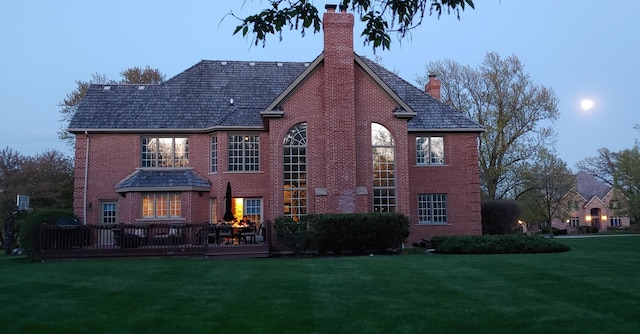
[(165, 152), (108, 213), (574, 222), (295, 171), (430, 150), (214, 154), (615, 221), (161, 205), (384, 169), (244, 152), (432, 208)]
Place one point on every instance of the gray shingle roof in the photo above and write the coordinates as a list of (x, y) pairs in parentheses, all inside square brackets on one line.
[(166, 179), (588, 186), (199, 99), (431, 114)]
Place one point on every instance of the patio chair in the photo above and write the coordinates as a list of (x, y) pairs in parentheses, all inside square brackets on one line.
[(225, 232), (249, 233)]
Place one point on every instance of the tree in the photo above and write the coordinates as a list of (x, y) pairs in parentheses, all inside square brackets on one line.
[(133, 75), (620, 170), (47, 178), (548, 182), (500, 96), (381, 17)]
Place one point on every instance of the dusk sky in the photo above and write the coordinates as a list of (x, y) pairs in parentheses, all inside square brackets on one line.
[(582, 49)]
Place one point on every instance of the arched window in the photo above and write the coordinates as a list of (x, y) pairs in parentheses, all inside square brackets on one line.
[(384, 169), (295, 171)]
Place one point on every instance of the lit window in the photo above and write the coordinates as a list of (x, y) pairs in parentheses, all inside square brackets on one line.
[(161, 205), (295, 171), (384, 170), (253, 209), (165, 152), (430, 150), (244, 152), (432, 208)]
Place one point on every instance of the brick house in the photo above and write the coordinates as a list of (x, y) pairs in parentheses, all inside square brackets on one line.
[(339, 134), (592, 203)]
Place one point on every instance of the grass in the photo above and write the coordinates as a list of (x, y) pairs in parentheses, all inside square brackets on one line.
[(593, 288)]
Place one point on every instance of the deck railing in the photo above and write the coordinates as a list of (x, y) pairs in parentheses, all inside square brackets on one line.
[(112, 240)]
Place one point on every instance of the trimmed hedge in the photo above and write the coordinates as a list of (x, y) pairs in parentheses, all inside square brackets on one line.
[(496, 244), (355, 232), (29, 226)]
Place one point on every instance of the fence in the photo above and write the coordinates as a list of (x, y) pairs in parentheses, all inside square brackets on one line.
[(110, 240)]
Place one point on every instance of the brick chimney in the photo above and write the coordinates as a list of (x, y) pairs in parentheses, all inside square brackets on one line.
[(433, 87), (339, 109)]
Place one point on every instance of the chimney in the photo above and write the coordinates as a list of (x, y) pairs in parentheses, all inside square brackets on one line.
[(339, 114), (433, 87)]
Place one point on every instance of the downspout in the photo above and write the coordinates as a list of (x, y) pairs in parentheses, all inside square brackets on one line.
[(86, 178)]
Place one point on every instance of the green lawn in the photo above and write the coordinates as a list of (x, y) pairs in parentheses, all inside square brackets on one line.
[(594, 288)]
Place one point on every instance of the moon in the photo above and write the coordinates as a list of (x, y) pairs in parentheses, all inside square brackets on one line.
[(586, 104)]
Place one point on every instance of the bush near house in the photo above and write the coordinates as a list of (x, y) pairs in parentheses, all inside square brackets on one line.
[(28, 229), (588, 229), (336, 233), (495, 244)]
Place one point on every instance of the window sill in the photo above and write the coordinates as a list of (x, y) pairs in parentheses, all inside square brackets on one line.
[(433, 224), (432, 165), (244, 172)]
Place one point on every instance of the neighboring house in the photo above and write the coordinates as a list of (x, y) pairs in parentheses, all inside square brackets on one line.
[(592, 203), (340, 134)]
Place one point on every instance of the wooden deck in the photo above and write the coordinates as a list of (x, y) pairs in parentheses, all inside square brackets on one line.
[(99, 241)]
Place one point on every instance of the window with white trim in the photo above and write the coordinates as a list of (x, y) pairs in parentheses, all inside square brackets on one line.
[(108, 212), (384, 169), (432, 208), (574, 222), (161, 205), (165, 152), (253, 209), (615, 221), (430, 150), (214, 154), (244, 152), (294, 168)]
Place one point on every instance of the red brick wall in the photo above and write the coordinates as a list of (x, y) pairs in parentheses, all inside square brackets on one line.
[(458, 178)]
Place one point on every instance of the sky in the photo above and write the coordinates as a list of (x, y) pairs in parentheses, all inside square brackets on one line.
[(581, 49)]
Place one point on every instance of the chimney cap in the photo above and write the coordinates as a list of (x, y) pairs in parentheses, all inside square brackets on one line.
[(432, 75), (330, 8)]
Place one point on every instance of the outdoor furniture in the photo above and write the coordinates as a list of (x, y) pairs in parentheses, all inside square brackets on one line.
[(225, 232), (250, 233)]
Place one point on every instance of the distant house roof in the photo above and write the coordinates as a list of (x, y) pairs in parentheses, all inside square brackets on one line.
[(588, 186), (163, 179), (227, 94)]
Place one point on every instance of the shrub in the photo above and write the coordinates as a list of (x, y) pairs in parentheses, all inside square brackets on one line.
[(505, 244), (359, 232), (297, 236), (500, 217), (29, 227), (588, 229), (356, 232)]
